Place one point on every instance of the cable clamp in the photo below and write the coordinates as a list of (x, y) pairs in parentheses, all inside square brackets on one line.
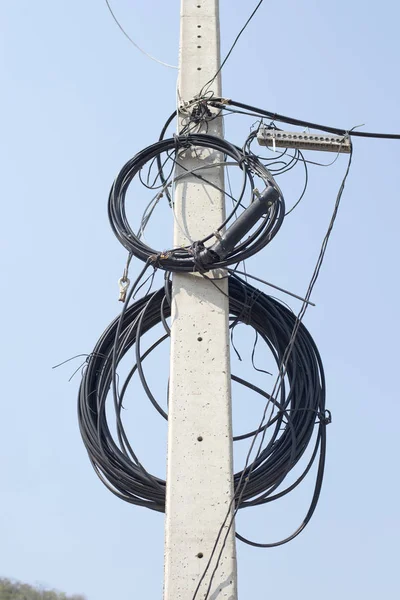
[(182, 142), (273, 140), (224, 100), (185, 105), (326, 417), (157, 258), (123, 283), (200, 254)]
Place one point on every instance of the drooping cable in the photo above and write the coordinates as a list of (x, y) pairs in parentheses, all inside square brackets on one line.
[(279, 384)]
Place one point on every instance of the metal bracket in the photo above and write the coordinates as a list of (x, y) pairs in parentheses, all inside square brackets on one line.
[(303, 141)]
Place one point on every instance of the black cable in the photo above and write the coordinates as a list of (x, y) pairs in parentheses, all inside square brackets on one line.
[(279, 384), (184, 131), (207, 85), (304, 187), (299, 406), (223, 102), (296, 404), (289, 161), (268, 207)]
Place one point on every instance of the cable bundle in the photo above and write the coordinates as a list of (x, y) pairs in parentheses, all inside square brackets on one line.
[(294, 419), (296, 411), (196, 257)]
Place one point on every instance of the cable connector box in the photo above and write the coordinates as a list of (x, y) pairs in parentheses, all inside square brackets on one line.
[(304, 141)]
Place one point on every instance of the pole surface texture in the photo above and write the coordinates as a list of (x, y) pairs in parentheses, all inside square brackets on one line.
[(200, 464)]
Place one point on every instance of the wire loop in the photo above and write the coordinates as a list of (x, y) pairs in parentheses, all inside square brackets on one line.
[(186, 259)]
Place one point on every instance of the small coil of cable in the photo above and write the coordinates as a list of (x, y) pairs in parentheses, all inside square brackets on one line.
[(197, 256), (298, 406)]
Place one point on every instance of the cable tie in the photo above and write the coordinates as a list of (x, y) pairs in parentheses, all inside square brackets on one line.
[(245, 317), (184, 106), (157, 258), (154, 258), (326, 417), (196, 250)]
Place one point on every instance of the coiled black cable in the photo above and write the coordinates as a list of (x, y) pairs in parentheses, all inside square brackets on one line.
[(195, 257), (298, 409)]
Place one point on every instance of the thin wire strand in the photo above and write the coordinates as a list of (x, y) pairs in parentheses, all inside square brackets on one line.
[(160, 62), (276, 388), (207, 86)]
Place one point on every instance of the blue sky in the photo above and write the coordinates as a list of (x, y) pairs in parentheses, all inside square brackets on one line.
[(77, 101)]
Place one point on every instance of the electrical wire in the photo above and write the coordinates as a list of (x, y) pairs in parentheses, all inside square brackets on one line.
[(279, 384), (209, 83), (160, 62), (294, 416), (196, 257), (283, 158), (224, 103), (299, 405)]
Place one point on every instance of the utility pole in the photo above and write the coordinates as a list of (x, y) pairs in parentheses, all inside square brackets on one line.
[(200, 463)]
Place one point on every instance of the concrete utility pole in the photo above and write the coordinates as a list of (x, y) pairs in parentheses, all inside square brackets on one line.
[(200, 465)]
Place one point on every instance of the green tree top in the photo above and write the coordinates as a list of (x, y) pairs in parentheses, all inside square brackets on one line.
[(15, 590)]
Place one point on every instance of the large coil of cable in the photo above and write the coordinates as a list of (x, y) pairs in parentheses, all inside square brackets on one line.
[(298, 407)]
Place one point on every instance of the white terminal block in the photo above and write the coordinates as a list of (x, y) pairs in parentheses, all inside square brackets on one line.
[(304, 141)]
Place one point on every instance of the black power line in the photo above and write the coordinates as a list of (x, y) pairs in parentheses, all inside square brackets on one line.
[(223, 103)]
